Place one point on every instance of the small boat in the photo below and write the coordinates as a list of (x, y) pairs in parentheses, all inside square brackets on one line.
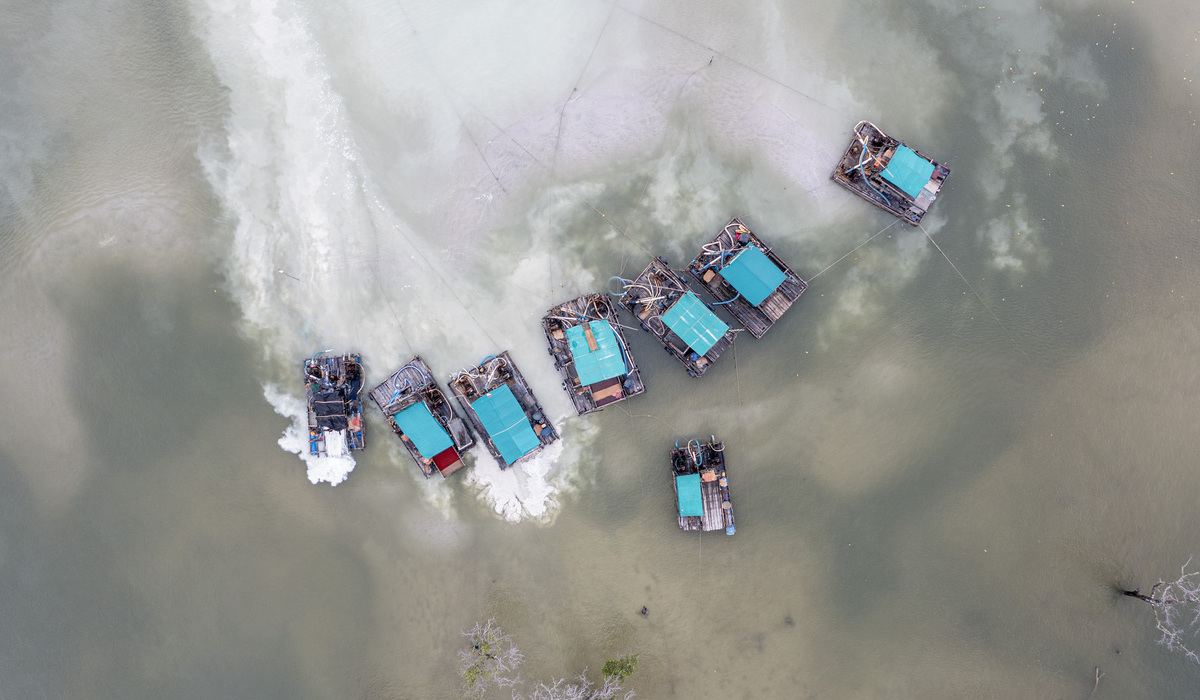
[(889, 174), (590, 352), (423, 418), (660, 299), (502, 409), (701, 486), (333, 384), (747, 278)]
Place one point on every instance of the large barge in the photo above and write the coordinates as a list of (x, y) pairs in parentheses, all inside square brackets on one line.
[(701, 486), (332, 386), (889, 174), (660, 299), (423, 418), (502, 409), (590, 352), (747, 277)]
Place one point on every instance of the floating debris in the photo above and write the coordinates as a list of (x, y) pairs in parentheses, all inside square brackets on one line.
[(423, 418), (701, 487), (747, 278), (889, 174), (332, 385), (502, 409), (687, 327), (590, 352)]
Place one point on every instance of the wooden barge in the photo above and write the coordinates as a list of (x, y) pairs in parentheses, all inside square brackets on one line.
[(687, 327), (423, 418), (701, 486), (889, 174), (747, 278), (332, 385), (590, 352), (502, 409)]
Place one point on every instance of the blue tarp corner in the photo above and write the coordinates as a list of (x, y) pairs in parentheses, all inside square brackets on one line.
[(419, 425), (908, 171), (506, 423), (605, 362), (753, 275), (687, 487), (691, 320)]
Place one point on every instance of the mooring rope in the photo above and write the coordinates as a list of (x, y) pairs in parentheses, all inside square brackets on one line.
[(449, 287), (729, 58), (852, 250), (575, 87), (977, 296), (647, 415)]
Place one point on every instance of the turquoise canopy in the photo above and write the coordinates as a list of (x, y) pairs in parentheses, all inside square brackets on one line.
[(692, 321), (506, 424), (605, 362), (753, 275), (908, 171), (419, 425), (687, 487)]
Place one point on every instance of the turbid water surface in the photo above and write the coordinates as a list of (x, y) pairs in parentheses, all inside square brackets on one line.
[(942, 461)]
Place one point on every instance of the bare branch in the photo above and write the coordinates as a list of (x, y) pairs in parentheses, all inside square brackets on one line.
[(1176, 611), (490, 659)]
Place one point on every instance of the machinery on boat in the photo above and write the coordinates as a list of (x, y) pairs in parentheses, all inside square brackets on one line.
[(333, 384), (423, 418), (746, 277), (659, 298), (502, 409), (701, 486), (889, 174), (589, 350)]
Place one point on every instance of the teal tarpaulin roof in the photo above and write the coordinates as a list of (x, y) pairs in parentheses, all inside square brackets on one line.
[(753, 274), (506, 424), (419, 425), (688, 488), (908, 171), (605, 362), (692, 321)]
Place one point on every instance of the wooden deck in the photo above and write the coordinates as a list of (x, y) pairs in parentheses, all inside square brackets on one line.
[(649, 296), (756, 319), (406, 386), (714, 487), (592, 397), (492, 373)]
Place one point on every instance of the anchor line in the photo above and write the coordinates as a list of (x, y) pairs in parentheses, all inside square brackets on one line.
[(447, 94), (553, 258), (729, 58), (575, 87), (392, 307), (647, 415), (432, 268), (977, 296), (852, 251), (738, 381), (573, 190), (387, 297)]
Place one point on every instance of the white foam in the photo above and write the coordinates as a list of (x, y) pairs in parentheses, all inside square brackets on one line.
[(332, 469), (526, 490)]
